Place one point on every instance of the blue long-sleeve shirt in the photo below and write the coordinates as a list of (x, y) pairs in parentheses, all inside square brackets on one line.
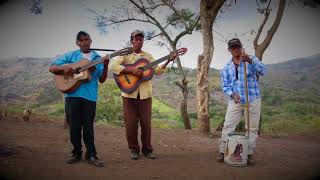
[(87, 90), (230, 84)]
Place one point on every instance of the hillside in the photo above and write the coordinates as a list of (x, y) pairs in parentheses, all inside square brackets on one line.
[(290, 94), (26, 79)]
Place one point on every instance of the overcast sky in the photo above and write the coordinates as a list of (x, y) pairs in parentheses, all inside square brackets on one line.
[(53, 32)]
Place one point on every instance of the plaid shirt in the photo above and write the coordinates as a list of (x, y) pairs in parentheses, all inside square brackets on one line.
[(230, 84)]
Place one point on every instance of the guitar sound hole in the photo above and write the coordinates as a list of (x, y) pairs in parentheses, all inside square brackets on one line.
[(127, 78)]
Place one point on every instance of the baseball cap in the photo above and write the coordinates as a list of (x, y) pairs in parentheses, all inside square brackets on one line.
[(135, 33), (234, 41)]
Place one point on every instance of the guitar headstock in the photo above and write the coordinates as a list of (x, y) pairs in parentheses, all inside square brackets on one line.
[(181, 51), (125, 51)]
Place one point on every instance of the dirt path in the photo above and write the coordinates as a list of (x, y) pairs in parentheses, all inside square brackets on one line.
[(38, 149)]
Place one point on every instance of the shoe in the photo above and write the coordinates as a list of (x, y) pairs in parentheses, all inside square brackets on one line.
[(250, 160), (220, 157), (95, 161), (134, 155), (73, 159), (150, 155)]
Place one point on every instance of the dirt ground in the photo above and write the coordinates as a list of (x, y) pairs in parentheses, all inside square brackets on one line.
[(38, 150)]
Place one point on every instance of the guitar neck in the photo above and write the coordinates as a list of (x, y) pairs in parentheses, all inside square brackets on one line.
[(100, 60), (154, 63)]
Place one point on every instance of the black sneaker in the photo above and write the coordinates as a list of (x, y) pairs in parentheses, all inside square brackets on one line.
[(134, 155), (73, 159), (150, 155), (95, 161)]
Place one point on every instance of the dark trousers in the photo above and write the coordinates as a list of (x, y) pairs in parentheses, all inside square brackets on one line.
[(135, 111), (80, 114)]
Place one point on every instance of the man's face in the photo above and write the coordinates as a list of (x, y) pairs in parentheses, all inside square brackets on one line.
[(84, 43), (137, 42), (235, 50)]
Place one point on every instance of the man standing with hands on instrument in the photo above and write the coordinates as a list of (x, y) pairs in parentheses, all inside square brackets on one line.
[(233, 85), (137, 106), (80, 104)]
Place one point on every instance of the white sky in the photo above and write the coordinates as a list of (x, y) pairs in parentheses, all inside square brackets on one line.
[(53, 32)]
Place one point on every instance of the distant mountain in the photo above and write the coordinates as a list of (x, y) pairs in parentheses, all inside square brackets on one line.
[(23, 77), (300, 71), (297, 80)]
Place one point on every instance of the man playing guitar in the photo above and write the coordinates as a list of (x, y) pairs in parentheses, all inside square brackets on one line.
[(137, 105), (80, 104)]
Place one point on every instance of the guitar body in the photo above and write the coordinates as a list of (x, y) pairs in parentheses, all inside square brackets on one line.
[(128, 82), (67, 83)]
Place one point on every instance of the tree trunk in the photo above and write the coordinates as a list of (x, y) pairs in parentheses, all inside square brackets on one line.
[(184, 105), (184, 88), (259, 53), (203, 91), (208, 12)]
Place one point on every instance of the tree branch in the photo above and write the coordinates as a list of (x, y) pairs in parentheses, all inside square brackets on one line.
[(195, 24), (151, 37), (176, 11), (178, 83), (157, 23), (266, 17), (187, 31), (154, 6), (169, 23), (275, 25), (126, 20), (255, 41)]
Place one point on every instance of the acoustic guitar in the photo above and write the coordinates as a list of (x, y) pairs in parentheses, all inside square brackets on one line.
[(128, 82), (84, 68)]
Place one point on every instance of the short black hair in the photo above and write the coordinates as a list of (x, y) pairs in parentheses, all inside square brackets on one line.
[(82, 33)]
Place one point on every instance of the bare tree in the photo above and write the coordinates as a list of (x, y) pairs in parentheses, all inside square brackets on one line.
[(179, 23)]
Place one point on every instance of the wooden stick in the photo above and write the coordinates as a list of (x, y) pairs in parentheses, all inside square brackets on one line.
[(247, 98)]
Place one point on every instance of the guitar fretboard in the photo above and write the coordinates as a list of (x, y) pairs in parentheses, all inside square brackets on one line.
[(100, 60), (154, 63)]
